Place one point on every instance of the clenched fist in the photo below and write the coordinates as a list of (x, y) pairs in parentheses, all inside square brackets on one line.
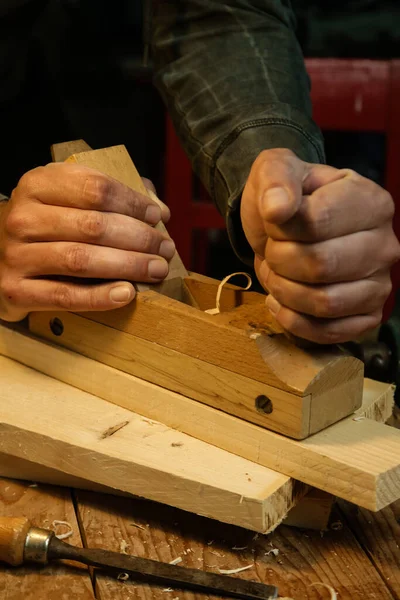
[(324, 245), (66, 222)]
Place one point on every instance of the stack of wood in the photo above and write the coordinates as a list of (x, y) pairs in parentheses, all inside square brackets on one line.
[(216, 413)]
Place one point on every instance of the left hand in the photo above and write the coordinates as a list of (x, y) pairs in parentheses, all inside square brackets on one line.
[(324, 245)]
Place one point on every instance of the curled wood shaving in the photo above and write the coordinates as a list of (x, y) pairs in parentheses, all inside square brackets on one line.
[(123, 547), (233, 571), (62, 536), (217, 309), (176, 561), (274, 551), (123, 576)]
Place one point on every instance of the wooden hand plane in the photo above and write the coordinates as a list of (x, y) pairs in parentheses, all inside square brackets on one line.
[(238, 361)]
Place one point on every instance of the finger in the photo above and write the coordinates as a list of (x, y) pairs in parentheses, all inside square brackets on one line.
[(323, 331), (75, 186), (86, 260), (46, 224), (149, 185), (272, 194), (279, 185), (41, 294), (352, 257), (349, 204), (328, 301)]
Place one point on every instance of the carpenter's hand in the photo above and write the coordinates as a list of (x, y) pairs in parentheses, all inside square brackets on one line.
[(67, 221), (324, 245)]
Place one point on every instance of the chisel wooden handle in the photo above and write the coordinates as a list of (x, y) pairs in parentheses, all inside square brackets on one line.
[(13, 534)]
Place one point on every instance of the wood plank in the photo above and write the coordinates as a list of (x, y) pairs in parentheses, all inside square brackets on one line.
[(292, 560), (60, 152), (116, 162), (325, 387), (143, 457), (311, 511), (43, 505), (355, 459), (379, 535)]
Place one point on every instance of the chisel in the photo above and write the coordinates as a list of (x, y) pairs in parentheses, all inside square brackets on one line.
[(20, 542)]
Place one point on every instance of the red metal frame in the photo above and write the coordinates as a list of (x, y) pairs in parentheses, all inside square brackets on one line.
[(347, 95)]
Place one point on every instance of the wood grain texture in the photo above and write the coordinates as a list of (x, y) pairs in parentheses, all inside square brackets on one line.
[(116, 163), (42, 505), (354, 459), (194, 378), (272, 360), (291, 559), (379, 535), (143, 457)]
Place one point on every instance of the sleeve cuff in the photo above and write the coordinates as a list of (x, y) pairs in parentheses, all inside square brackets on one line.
[(236, 155)]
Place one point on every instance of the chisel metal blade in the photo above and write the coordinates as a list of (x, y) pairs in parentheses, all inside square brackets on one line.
[(163, 573)]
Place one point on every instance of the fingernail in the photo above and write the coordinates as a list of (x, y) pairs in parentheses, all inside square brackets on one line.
[(157, 269), (152, 214), (272, 305), (274, 198), (167, 249), (121, 294)]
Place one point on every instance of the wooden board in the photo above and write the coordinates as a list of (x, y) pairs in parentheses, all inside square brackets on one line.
[(295, 561), (354, 459), (60, 152), (331, 385), (116, 162), (73, 433), (42, 505)]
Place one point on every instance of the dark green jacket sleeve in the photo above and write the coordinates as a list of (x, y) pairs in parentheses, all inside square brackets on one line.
[(233, 77)]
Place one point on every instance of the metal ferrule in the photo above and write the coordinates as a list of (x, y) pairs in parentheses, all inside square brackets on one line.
[(37, 545)]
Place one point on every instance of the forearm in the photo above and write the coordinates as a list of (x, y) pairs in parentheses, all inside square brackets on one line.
[(235, 83)]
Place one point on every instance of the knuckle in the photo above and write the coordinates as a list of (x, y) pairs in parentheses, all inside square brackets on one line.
[(136, 204), (146, 240), (387, 204), (326, 304), (62, 297), (92, 224), (28, 183), (96, 191), (11, 290), (318, 220), (322, 265), (76, 259), (17, 223), (351, 174)]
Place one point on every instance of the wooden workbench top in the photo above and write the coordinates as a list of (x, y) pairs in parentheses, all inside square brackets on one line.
[(358, 556)]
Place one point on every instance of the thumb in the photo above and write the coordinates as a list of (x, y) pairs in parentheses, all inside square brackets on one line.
[(281, 186)]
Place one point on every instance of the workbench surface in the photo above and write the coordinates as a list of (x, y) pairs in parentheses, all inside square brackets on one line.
[(358, 556)]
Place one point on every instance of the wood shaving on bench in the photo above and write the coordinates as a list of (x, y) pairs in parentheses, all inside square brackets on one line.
[(62, 536)]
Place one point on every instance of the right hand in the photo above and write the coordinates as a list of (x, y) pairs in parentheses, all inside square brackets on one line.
[(67, 221)]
